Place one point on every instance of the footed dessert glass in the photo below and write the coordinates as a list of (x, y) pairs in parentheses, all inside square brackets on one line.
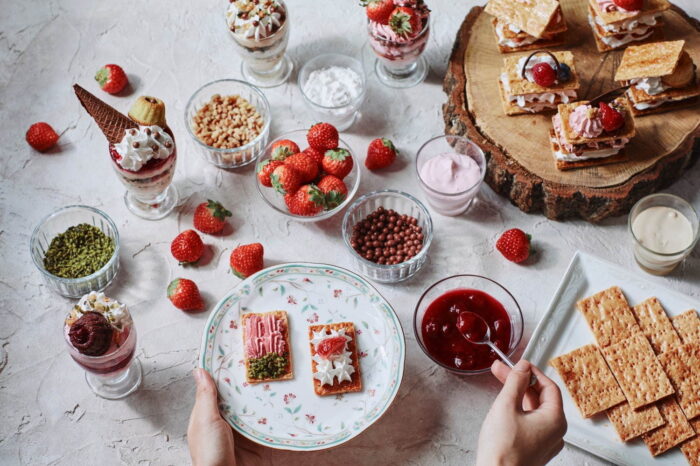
[(399, 63)]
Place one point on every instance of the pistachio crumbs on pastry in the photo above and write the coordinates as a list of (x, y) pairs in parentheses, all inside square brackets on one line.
[(267, 349)]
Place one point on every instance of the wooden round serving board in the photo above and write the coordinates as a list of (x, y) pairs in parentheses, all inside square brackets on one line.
[(521, 165)]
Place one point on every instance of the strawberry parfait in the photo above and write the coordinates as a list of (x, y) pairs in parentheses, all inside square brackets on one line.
[(398, 34)]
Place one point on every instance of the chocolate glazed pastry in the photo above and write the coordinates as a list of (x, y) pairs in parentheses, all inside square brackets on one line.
[(91, 335)]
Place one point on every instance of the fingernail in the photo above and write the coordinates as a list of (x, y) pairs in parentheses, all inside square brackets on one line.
[(522, 366)]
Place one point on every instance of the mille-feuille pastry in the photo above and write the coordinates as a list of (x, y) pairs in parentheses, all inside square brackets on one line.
[(538, 82), (616, 23), (661, 76), (522, 25), (267, 352), (335, 364), (584, 135)]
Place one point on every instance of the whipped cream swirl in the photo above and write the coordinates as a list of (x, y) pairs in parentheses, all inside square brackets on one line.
[(585, 122), (255, 20), (115, 312), (337, 366), (141, 145), (537, 59), (651, 86)]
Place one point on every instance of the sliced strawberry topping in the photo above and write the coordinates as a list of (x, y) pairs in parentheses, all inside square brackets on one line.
[(331, 347)]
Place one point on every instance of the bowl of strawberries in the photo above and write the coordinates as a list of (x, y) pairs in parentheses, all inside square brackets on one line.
[(308, 175)]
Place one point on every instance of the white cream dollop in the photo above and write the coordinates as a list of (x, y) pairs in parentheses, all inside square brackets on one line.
[(115, 312), (259, 20), (651, 86), (141, 145), (542, 58), (338, 366)]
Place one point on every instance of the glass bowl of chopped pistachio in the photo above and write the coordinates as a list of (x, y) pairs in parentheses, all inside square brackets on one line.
[(76, 249), (229, 121)]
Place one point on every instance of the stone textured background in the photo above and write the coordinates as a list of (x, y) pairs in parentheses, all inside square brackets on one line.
[(169, 49)]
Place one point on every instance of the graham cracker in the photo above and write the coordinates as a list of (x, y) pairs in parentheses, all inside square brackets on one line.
[(639, 96), (546, 41), (588, 380), (281, 315), (520, 85), (656, 35), (691, 448), (667, 107), (531, 16), (638, 371), (649, 60), (688, 326), (627, 131), (355, 384), (565, 165), (656, 325), (630, 424), (512, 108), (682, 366), (608, 316), (650, 7), (676, 430)]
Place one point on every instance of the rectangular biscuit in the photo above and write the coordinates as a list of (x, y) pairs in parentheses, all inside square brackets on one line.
[(588, 380), (329, 330), (631, 424), (565, 111), (691, 448), (667, 107), (682, 365), (656, 325), (656, 35), (520, 85), (676, 430), (609, 17), (688, 326), (676, 94), (608, 316), (649, 60), (531, 16), (638, 371), (281, 316)]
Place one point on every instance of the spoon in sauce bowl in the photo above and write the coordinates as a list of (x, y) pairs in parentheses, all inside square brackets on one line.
[(475, 330)]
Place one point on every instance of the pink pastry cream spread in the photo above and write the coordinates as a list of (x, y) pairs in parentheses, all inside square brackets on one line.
[(264, 336)]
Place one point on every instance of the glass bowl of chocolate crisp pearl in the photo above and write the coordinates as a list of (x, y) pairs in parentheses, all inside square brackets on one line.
[(388, 233), (229, 121)]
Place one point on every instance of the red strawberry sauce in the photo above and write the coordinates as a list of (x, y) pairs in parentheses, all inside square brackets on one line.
[(443, 339)]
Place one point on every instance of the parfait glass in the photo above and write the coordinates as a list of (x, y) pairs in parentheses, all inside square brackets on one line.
[(115, 374), (400, 62)]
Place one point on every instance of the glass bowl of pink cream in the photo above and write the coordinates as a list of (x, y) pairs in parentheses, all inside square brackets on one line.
[(450, 170)]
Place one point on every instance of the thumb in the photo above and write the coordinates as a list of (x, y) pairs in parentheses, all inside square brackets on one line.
[(205, 403), (515, 386)]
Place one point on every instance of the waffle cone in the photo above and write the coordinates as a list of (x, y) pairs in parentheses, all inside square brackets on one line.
[(112, 123)]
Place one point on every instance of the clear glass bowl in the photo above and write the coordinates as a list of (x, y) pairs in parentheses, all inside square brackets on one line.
[(276, 200), (474, 282), (341, 116), (239, 156), (402, 203), (58, 222)]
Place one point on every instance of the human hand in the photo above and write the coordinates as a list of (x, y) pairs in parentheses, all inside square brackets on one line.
[(209, 436), (525, 425)]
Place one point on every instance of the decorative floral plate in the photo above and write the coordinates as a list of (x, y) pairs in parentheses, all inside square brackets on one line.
[(288, 414)]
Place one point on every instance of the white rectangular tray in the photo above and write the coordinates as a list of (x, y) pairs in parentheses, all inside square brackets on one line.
[(563, 329)]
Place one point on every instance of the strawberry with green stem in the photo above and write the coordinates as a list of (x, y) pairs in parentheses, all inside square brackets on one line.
[(210, 217)]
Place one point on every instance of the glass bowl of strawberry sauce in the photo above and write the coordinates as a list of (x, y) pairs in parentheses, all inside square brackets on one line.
[(435, 322)]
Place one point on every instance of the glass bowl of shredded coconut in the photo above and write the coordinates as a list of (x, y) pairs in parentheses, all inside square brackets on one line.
[(333, 86)]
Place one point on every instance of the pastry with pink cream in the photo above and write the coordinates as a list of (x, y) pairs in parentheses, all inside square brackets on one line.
[(267, 350), (586, 134)]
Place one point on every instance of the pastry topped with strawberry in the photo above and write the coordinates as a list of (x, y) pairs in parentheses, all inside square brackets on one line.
[(586, 134), (334, 361), (661, 76), (267, 349), (538, 82), (526, 24), (617, 23)]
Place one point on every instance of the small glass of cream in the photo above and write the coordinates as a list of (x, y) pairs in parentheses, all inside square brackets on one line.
[(665, 229)]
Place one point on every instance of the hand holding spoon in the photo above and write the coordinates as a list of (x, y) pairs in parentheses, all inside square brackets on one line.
[(475, 330)]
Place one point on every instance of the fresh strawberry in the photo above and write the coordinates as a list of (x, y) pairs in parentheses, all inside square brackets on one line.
[(247, 259), (184, 294), (630, 5), (337, 162), (331, 347), (611, 119), (404, 21), (283, 149), (543, 74), (210, 217), (323, 136), (187, 247), (307, 201), (285, 179), (111, 78), (265, 170), (514, 244), (334, 190), (305, 165), (315, 154), (380, 154), (41, 136), (379, 10)]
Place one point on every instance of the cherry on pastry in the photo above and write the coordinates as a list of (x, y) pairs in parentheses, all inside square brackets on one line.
[(544, 74)]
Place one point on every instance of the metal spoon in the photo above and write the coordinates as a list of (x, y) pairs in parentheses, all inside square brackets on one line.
[(484, 338)]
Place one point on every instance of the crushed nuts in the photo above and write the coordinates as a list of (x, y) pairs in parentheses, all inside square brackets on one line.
[(227, 122)]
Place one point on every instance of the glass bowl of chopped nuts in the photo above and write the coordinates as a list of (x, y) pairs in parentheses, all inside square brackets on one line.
[(76, 249), (388, 234), (229, 121)]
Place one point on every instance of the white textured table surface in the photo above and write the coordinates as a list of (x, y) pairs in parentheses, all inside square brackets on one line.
[(49, 415)]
